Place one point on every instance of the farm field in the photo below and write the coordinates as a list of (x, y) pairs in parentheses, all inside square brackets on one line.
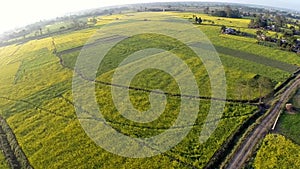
[(289, 123), (36, 94), (289, 126), (277, 152)]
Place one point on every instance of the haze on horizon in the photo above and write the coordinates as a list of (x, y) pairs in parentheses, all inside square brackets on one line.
[(17, 13)]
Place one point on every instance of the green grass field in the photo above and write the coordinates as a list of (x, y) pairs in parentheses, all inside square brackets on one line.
[(36, 96), (289, 126), (289, 123)]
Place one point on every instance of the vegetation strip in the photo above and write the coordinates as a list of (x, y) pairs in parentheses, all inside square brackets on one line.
[(8, 152), (11, 148), (257, 59)]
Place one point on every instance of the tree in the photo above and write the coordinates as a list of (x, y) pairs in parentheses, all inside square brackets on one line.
[(280, 20), (94, 20), (41, 32), (252, 24), (297, 24), (261, 21), (220, 13), (23, 32), (292, 42), (235, 14), (206, 10), (198, 20), (259, 33), (54, 49), (228, 10), (36, 33), (258, 22), (223, 28), (75, 23), (293, 29), (264, 85)]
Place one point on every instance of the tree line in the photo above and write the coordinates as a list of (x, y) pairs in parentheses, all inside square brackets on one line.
[(227, 12)]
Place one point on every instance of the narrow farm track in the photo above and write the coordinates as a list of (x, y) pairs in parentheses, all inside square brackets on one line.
[(260, 131)]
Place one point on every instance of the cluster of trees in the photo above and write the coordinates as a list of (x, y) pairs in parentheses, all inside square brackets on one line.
[(227, 12), (293, 16), (198, 20), (38, 29), (93, 20), (262, 83), (276, 23), (267, 22), (286, 42), (258, 22)]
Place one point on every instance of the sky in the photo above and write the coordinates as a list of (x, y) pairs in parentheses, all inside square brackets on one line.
[(16, 13)]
